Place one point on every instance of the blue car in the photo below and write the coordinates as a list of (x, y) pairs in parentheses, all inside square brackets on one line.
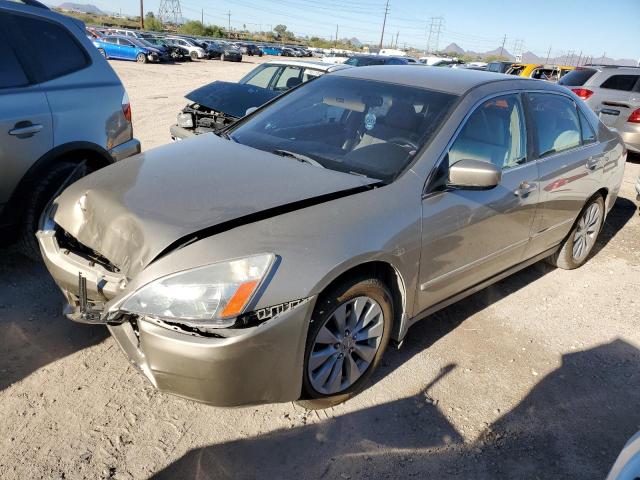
[(127, 48), (271, 50)]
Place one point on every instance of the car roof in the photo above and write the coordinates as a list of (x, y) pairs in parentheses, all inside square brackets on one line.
[(305, 63), (451, 80)]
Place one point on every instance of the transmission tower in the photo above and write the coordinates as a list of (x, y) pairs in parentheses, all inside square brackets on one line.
[(436, 25), (170, 12)]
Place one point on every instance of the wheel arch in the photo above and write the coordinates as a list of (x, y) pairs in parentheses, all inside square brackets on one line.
[(385, 271), (73, 152)]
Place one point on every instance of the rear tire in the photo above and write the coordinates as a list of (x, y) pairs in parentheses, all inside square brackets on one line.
[(346, 351), (222, 58), (577, 247), (102, 52), (41, 195), (193, 56), (141, 58)]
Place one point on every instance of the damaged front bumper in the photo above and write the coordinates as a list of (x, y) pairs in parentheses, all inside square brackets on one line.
[(261, 362)]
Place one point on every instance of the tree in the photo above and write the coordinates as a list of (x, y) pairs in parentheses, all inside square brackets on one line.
[(192, 27), (152, 23), (282, 33), (213, 31)]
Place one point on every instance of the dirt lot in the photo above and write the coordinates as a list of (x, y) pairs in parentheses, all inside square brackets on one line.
[(535, 377)]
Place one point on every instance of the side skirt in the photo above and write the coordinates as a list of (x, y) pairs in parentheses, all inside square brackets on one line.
[(479, 286)]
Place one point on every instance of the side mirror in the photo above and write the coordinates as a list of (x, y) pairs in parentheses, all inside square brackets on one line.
[(474, 175), (250, 110)]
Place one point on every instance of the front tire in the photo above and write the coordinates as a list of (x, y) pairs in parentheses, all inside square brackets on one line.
[(577, 247), (348, 334), (222, 58)]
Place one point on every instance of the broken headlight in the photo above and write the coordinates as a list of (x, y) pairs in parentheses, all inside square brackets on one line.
[(185, 120), (213, 295)]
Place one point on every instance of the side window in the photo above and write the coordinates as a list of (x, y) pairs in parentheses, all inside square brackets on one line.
[(262, 78), (495, 132), (588, 135), (125, 42), (11, 72), (289, 78), (556, 121), (620, 82), (310, 73), (51, 47)]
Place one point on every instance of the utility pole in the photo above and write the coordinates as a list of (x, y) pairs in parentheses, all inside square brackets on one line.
[(336, 42), (142, 14), (202, 17), (504, 40), (229, 15), (384, 22), (548, 55)]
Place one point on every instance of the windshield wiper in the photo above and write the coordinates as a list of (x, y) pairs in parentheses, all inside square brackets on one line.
[(298, 156)]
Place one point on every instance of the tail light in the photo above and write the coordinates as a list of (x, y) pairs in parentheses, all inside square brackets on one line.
[(635, 116), (583, 93), (126, 107)]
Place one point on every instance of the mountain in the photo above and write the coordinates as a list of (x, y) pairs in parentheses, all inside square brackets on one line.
[(454, 48), (530, 57), (81, 7)]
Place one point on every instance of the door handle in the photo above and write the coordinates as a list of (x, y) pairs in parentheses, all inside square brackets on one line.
[(25, 129), (592, 162), (525, 189)]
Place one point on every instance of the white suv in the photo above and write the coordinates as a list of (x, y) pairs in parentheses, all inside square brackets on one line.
[(613, 92)]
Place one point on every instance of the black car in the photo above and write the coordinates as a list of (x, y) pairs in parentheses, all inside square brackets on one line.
[(367, 60), (499, 66), (173, 52), (251, 49), (221, 51)]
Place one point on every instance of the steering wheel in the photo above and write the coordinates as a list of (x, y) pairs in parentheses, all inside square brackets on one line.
[(403, 142)]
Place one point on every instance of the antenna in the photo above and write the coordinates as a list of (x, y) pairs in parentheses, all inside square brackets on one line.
[(170, 12)]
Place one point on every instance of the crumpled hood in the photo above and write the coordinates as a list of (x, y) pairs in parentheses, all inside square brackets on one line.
[(231, 98), (131, 211)]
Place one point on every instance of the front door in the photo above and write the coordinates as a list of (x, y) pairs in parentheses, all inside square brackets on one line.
[(25, 121), (471, 235)]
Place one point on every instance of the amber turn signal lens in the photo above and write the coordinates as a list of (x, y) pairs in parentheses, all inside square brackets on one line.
[(239, 299)]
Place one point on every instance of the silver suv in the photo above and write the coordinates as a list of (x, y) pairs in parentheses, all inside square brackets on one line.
[(63, 113), (613, 92)]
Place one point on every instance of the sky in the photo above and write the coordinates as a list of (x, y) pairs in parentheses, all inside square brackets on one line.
[(588, 26)]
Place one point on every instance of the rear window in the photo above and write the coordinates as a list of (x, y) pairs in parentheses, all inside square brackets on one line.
[(577, 77), (620, 82), (11, 73), (54, 50)]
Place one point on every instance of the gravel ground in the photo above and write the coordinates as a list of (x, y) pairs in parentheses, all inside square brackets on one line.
[(536, 377)]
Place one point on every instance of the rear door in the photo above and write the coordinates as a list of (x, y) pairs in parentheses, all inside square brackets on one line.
[(127, 49), (26, 131), (570, 162), (471, 235)]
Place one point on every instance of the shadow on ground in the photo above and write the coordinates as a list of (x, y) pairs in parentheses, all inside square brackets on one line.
[(571, 425), (33, 332)]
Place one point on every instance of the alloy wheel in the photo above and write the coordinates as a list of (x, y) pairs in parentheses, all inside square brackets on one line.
[(586, 232), (346, 345)]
